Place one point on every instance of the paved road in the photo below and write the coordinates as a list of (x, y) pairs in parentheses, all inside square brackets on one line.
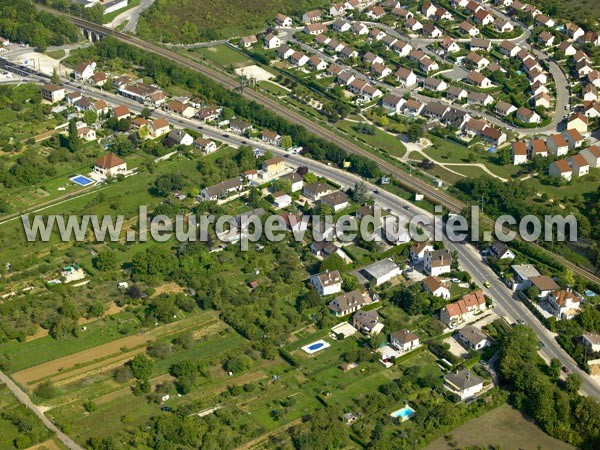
[(131, 16), (23, 398)]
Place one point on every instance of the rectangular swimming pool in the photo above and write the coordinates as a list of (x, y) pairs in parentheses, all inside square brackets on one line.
[(403, 414), (81, 180)]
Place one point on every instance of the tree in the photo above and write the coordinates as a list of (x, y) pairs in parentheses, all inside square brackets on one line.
[(55, 77), (573, 383), (123, 125), (286, 141), (554, 368), (146, 113), (45, 390), (106, 261), (360, 192), (415, 132), (90, 117), (73, 142), (141, 366)]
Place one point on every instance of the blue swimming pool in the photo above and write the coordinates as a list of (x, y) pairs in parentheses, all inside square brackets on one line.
[(315, 346), (403, 414), (81, 180)]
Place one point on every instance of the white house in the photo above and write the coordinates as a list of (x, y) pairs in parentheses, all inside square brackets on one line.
[(272, 41), (404, 340), (564, 304), (437, 262), (110, 165), (519, 152), (463, 310), (557, 145), (349, 302), (472, 338), (592, 156), (463, 383), (83, 71), (418, 251), (436, 287), (327, 283), (283, 21), (579, 165), (561, 168)]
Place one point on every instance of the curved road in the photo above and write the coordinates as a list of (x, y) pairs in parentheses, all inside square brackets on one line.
[(131, 16)]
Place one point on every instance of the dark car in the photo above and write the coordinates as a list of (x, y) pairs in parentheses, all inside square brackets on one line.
[(166, 408), (565, 369), (225, 135)]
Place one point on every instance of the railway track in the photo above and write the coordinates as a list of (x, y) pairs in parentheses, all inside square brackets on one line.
[(408, 181)]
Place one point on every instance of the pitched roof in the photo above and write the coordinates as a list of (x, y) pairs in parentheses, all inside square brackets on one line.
[(108, 161)]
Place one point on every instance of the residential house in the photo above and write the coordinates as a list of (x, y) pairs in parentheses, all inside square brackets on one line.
[(207, 146), (561, 168), (158, 127), (483, 17), (500, 250), (479, 80), (574, 138), (544, 20), (240, 126), (435, 110), (413, 25), (404, 341), (504, 109), (463, 383), (100, 107), (493, 136), (438, 262), (537, 147), (327, 283), (592, 156), (564, 304), (418, 251), (183, 109), (323, 248), (546, 39), (472, 338), (405, 77), (523, 273), (527, 115), (376, 34), (272, 41), (271, 137), (544, 284), (477, 61), (590, 93), (315, 191), (435, 84), (442, 14), (428, 9), (99, 79), (367, 322), (341, 25), (430, 30), (296, 181), (591, 341), (348, 53), (85, 133), (519, 153), (592, 110), (428, 65), (283, 21), (402, 13), (284, 52), (248, 41), (298, 59), (436, 287), (372, 58), (448, 45), (53, 93), (281, 200), (336, 200), (456, 93), (311, 16), (557, 145), (110, 165), (221, 190), (479, 98), (360, 29), (349, 302), (84, 70), (469, 28), (208, 114), (480, 44), (509, 48), (178, 137), (463, 310), (273, 166), (456, 118), (413, 107), (578, 121), (375, 12), (121, 112), (542, 100), (337, 9), (315, 28), (402, 48), (579, 165), (567, 48), (503, 26), (393, 103)]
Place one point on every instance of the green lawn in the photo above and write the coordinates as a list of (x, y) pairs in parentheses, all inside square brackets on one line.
[(273, 88), (107, 18), (381, 139), (223, 55)]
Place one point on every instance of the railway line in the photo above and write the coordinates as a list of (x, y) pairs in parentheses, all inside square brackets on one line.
[(412, 183)]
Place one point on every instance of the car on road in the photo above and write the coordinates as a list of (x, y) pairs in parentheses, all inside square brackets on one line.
[(520, 321), (389, 210), (225, 135), (406, 207), (565, 369), (542, 344), (375, 191), (486, 284)]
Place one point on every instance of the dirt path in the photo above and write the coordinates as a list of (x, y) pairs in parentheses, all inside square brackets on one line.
[(248, 445), (50, 444)]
